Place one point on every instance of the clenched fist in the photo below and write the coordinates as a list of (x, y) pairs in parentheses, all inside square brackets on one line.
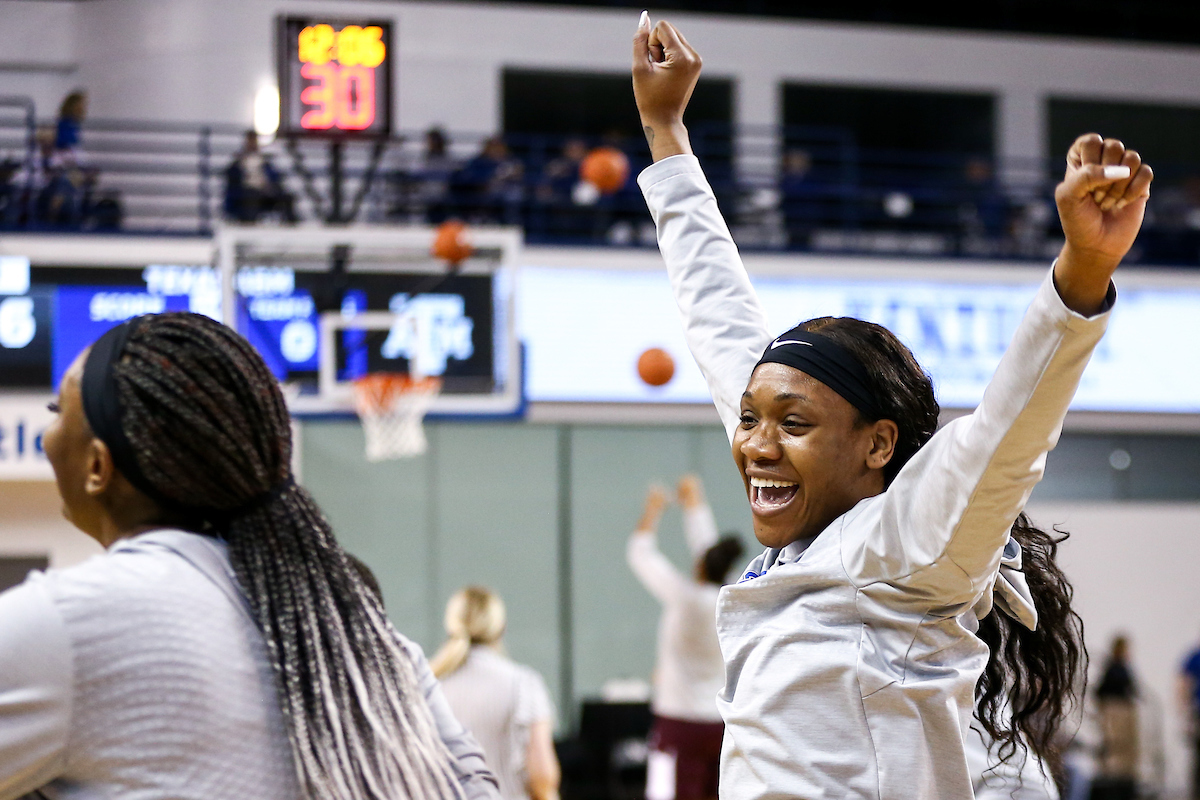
[(1101, 202), (665, 71)]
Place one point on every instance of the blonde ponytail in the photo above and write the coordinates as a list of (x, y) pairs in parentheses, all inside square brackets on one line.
[(474, 615)]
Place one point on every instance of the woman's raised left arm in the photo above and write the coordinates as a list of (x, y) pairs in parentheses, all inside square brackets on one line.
[(946, 517)]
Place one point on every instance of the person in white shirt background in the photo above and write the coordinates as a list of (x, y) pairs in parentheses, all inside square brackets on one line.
[(505, 705), (851, 652), (685, 741)]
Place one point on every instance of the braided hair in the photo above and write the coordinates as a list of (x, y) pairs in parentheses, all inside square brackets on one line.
[(1033, 678), (212, 436)]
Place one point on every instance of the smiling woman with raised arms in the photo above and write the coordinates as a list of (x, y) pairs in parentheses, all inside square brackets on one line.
[(856, 646)]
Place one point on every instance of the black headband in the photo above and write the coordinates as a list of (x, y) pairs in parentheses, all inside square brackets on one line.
[(828, 362), (102, 407)]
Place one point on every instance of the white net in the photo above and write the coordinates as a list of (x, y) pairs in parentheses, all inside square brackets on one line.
[(392, 408)]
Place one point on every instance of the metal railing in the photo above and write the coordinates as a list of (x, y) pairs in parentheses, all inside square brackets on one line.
[(804, 189)]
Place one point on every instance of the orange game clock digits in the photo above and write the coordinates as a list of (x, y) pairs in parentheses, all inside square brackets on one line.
[(335, 77)]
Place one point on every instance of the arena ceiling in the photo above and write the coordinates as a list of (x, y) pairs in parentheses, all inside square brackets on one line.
[(1175, 21)]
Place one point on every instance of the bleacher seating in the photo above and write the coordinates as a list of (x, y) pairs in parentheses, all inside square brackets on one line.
[(791, 189)]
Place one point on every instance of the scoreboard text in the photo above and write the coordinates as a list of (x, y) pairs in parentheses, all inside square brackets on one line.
[(334, 77)]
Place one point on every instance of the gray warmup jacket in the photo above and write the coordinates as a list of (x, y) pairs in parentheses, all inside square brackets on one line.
[(140, 674), (851, 661)]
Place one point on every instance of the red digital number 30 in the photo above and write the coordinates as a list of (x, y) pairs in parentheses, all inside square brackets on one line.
[(342, 96)]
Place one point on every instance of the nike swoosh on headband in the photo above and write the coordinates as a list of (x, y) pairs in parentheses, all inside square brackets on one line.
[(782, 342)]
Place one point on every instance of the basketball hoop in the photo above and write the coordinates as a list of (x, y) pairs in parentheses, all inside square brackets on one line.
[(392, 407)]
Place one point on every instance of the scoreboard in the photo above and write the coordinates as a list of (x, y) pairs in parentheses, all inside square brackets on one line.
[(335, 77), (277, 311), (51, 313)]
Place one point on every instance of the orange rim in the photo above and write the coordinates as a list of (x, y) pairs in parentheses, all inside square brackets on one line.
[(377, 390)]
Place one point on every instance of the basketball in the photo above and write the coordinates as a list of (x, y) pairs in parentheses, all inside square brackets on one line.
[(655, 366), (449, 244), (606, 168)]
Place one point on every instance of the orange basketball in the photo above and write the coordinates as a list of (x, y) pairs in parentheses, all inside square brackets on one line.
[(450, 244), (606, 168), (655, 366)]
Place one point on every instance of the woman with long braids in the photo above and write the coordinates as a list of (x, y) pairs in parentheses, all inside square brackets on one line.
[(853, 645), (224, 646)]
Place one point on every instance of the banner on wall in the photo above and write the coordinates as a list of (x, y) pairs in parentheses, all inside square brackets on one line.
[(23, 420), (957, 329)]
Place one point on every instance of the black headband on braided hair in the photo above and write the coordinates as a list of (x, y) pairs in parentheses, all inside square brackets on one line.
[(102, 405), (102, 408), (830, 363)]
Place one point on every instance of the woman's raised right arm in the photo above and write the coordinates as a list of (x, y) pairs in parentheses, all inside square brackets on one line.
[(723, 321)]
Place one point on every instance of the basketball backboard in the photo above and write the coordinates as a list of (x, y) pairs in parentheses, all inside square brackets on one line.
[(326, 305)]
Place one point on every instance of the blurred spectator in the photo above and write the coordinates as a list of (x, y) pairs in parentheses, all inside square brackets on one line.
[(1173, 223), (490, 187), (621, 217), (68, 184), (436, 155), (802, 201), (68, 130), (60, 183), (1120, 747), (1189, 706), (561, 176), (11, 193), (982, 211), (504, 704), (253, 187), (1035, 232), (566, 204), (685, 740), (424, 188)]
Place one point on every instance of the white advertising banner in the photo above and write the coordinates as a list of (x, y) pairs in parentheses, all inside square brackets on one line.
[(585, 328), (23, 420)]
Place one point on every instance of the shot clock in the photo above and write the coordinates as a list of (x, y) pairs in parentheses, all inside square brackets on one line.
[(335, 77)]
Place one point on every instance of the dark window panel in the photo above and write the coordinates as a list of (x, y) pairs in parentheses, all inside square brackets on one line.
[(896, 118), (595, 104), (1164, 135)]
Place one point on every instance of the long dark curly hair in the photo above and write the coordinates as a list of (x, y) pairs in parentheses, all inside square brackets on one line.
[(1033, 678)]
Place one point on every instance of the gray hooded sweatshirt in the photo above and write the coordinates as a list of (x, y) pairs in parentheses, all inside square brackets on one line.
[(851, 658)]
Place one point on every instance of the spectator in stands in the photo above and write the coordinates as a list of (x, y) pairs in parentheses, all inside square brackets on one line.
[(565, 204), (68, 131), (561, 174), (253, 187), (801, 196), (10, 193), (983, 210), (1174, 224), (490, 187), (67, 181), (60, 180), (431, 185)]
